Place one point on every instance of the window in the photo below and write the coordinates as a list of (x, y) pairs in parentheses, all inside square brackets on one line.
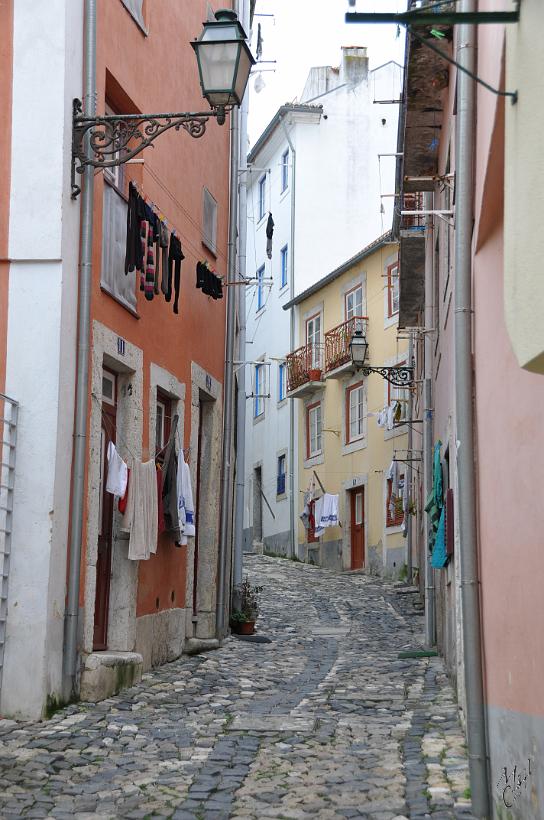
[(400, 394), (260, 390), (108, 387), (280, 489), (394, 514), (283, 263), (393, 289), (284, 170), (354, 413), (209, 221), (353, 301), (312, 539), (162, 420), (260, 288), (262, 196), (313, 430), (282, 387), (313, 339), (114, 236)]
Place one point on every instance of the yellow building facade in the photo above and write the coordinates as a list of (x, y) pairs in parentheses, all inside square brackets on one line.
[(352, 435)]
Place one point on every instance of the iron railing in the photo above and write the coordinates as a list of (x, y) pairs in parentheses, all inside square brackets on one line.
[(303, 365), (8, 431), (338, 340)]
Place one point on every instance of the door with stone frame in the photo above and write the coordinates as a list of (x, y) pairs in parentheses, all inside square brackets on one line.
[(357, 507), (106, 502)]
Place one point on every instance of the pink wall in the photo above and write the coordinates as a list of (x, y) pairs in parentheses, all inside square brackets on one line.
[(510, 440)]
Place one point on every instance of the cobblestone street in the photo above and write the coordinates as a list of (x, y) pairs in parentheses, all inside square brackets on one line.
[(324, 720)]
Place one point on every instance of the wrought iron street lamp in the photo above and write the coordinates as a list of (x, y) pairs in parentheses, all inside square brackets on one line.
[(224, 63), (399, 376)]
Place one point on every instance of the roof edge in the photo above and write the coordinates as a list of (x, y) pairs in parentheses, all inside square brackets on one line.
[(286, 108)]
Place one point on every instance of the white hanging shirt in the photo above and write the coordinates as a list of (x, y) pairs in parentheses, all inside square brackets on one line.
[(116, 483)]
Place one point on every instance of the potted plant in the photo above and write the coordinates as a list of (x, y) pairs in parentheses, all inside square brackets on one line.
[(245, 608), (314, 374)]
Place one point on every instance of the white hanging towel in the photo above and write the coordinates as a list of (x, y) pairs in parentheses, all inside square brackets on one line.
[(318, 512), (393, 475), (186, 511), (141, 514), (328, 512), (116, 483)]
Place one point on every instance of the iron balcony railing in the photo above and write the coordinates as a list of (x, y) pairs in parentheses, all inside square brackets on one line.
[(304, 365), (338, 341)]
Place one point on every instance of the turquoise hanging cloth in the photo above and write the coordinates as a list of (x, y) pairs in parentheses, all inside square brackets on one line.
[(435, 500), (439, 557)]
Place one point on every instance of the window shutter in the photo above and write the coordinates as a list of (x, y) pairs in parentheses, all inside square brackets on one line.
[(209, 221), (114, 232), (135, 7)]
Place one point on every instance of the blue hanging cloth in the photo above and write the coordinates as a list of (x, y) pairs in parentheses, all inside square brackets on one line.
[(439, 557)]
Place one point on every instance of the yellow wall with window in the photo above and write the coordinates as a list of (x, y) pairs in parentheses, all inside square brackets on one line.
[(350, 450)]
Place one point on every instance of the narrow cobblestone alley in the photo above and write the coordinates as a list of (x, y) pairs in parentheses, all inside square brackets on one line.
[(324, 720)]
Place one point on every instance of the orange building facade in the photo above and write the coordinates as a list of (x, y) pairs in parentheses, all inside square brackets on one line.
[(154, 374)]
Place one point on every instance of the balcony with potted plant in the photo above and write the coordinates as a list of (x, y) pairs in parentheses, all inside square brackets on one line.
[(304, 370)]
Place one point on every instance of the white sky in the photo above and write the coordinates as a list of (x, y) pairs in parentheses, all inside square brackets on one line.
[(306, 33)]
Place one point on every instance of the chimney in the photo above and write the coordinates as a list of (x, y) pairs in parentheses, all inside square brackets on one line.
[(354, 67)]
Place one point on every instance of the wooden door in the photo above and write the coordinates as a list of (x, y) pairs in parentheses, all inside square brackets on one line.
[(103, 561), (357, 528)]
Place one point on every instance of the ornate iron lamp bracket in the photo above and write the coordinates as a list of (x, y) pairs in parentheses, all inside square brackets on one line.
[(397, 376), (104, 142)]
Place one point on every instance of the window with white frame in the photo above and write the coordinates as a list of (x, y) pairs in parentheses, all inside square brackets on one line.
[(354, 413), (313, 430), (353, 302), (209, 221), (393, 289), (260, 288), (260, 390), (163, 419), (262, 196), (400, 395), (313, 339), (283, 265), (282, 378), (284, 170)]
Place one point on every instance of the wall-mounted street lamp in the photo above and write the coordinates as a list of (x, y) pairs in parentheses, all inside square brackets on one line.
[(399, 376), (224, 62)]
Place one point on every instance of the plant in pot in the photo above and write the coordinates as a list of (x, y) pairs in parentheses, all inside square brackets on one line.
[(314, 374), (245, 607)]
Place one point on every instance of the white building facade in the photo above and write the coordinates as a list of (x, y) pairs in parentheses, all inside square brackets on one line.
[(320, 169)]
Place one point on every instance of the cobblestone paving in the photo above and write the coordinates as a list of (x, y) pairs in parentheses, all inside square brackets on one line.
[(323, 721)]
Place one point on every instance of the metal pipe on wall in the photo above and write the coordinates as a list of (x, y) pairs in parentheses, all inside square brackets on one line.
[(465, 122), (430, 320), (292, 488), (82, 374), (409, 538), (238, 546)]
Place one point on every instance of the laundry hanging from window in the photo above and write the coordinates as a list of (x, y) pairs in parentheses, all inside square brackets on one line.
[(269, 235), (208, 281)]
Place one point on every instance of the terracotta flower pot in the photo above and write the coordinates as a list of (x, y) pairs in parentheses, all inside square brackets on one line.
[(243, 627), (314, 374)]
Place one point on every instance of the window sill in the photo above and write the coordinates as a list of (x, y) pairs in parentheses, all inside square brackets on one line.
[(283, 289), (211, 250), (354, 446), (281, 497), (259, 418), (130, 310), (390, 321), (282, 402), (261, 221), (313, 461), (284, 194)]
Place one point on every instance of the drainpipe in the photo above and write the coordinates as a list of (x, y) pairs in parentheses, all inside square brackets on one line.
[(228, 385), (409, 568), (292, 488), (237, 570), (466, 480), (82, 373), (428, 416)]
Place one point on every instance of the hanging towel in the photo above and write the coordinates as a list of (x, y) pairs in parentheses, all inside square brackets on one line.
[(269, 235), (306, 511), (123, 500), (116, 483), (439, 557), (318, 511), (141, 516), (186, 513), (391, 411), (329, 511), (382, 418)]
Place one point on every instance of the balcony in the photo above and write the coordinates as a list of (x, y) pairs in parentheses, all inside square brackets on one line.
[(304, 370), (337, 346)]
